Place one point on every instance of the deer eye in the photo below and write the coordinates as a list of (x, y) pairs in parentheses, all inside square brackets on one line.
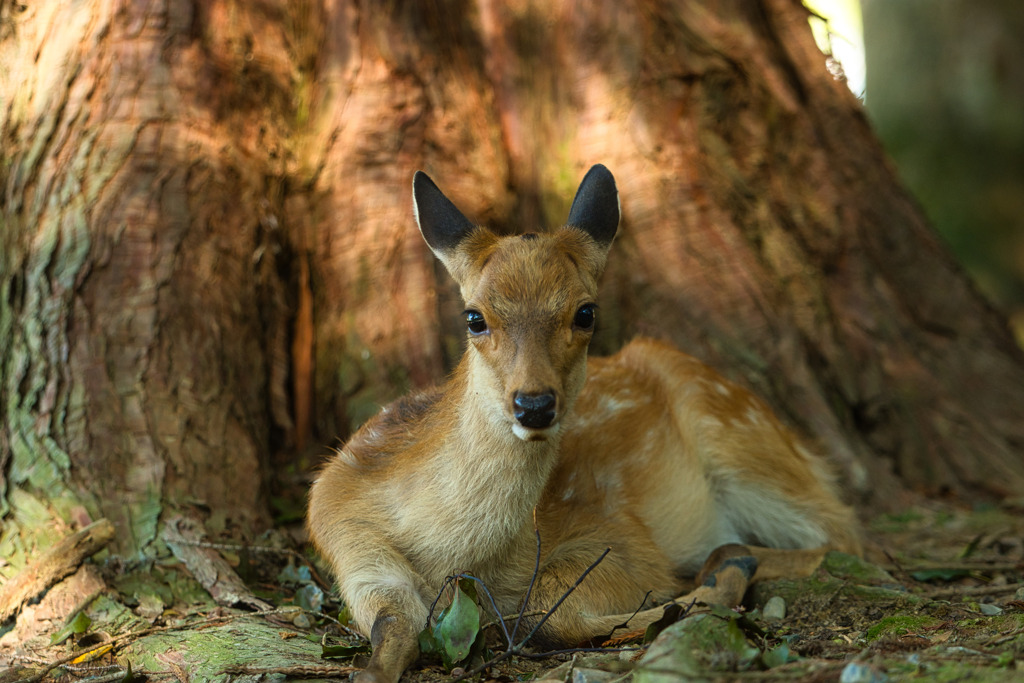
[(585, 317), (475, 322)]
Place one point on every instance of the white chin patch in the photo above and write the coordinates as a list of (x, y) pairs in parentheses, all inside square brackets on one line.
[(527, 434)]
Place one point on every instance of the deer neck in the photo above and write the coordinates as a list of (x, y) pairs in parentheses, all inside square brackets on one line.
[(486, 481)]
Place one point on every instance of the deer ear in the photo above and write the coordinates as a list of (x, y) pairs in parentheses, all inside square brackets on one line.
[(595, 210), (441, 223)]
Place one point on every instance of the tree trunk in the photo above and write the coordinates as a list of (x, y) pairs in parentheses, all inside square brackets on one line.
[(763, 228), (147, 285), (209, 260)]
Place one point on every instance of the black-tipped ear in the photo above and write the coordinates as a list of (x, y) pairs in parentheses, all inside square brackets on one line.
[(442, 224), (595, 210)]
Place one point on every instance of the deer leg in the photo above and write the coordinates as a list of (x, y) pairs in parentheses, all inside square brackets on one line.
[(774, 563), (724, 579), (394, 638), (386, 602), (731, 568)]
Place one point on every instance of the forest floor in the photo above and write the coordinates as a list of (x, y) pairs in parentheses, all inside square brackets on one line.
[(940, 598)]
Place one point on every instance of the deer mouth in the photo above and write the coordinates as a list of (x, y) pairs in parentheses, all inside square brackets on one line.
[(534, 434)]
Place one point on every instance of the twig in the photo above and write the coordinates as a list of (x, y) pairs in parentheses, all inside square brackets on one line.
[(1004, 637), (509, 617), (241, 547), (350, 631), (447, 582), (574, 650), (973, 591), (56, 563), (565, 595), (207, 566), (963, 566), (300, 671), (494, 606), (517, 649), (113, 676), (643, 602), (533, 580)]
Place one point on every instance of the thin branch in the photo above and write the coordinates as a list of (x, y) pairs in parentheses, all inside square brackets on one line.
[(300, 671), (447, 582), (574, 650), (241, 547), (972, 591), (625, 624), (979, 567), (533, 580), (565, 595), (509, 617), (517, 649)]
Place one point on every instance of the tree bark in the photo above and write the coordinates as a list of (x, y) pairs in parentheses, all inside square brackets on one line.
[(145, 284), (763, 228), (209, 260)]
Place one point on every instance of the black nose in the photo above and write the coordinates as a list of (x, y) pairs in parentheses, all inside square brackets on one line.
[(535, 411)]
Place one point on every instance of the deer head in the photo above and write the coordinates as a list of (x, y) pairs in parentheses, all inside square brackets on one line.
[(530, 301)]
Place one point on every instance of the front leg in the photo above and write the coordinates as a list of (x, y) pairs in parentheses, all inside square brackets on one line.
[(385, 597), (386, 604), (395, 642)]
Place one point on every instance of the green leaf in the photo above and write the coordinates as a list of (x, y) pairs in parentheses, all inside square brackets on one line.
[(428, 644), (777, 656), (77, 626), (457, 628), (670, 615), (939, 574), (343, 651), (736, 642), (971, 547), (723, 612), (742, 621)]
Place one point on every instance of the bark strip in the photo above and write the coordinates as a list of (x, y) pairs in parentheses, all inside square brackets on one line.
[(56, 563), (185, 539)]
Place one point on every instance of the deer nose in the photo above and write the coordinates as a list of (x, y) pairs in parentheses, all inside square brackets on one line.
[(536, 411)]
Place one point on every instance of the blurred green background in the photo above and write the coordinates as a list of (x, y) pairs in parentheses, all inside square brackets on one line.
[(943, 84)]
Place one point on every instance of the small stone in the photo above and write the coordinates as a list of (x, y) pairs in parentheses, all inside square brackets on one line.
[(593, 676), (458, 671), (1019, 595), (990, 610), (774, 609), (858, 672), (301, 620)]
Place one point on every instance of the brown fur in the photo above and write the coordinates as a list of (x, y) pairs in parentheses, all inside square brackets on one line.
[(651, 453)]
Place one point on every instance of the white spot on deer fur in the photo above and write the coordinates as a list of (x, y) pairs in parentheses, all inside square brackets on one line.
[(610, 482), (613, 403), (721, 388), (711, 421), (755, 417)]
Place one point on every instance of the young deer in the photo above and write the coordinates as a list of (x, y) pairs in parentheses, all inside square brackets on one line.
[(648, 452)]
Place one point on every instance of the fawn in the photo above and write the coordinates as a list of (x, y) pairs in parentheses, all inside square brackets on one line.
[(648, 452)]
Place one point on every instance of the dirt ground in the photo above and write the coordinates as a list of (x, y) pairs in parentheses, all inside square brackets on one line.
[(940, 597)]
